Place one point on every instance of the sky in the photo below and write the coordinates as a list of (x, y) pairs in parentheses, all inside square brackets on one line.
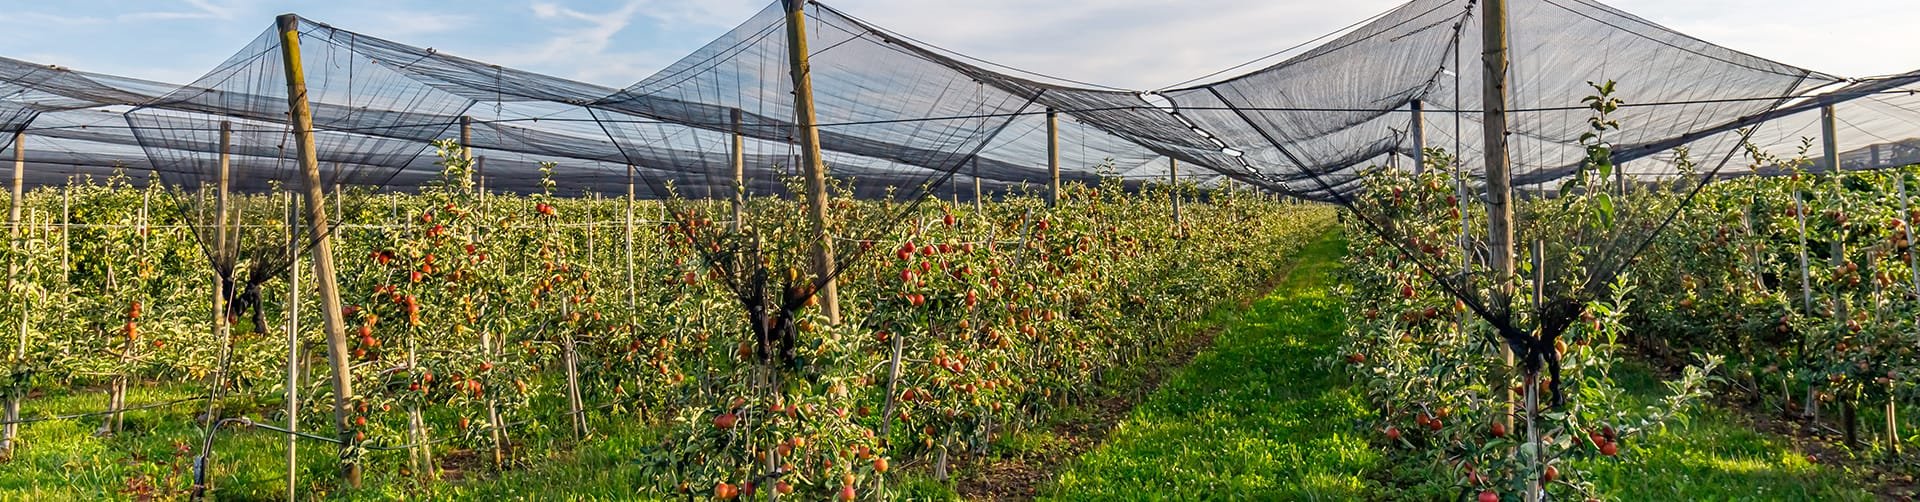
[(1136, 44)]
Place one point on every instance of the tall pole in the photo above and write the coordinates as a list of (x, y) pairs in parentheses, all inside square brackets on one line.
[(1830, 153), (293, 348), (632, 300), (823, 268), (466, 137), (1053, 157), (979, 196), (1418, 132), (1173, 189), (321, 232), (222, 259), (1493, 39), (1829, 143), (480, 176), (739, 162), (12, 430), (221, 273)]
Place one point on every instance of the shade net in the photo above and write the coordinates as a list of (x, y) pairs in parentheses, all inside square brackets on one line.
[(901, 119), (1346, 121)]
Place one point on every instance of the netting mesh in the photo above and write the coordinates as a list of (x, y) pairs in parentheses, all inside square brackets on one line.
[(894, 112), (907, 121)]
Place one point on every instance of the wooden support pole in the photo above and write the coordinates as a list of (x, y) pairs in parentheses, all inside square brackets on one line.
[(739, 162), (222, 258), (1417, 132), (222, 272), (632, 300), (322, 234), (293, 346), (1620, 177), (1830, 154), (12, 430), (1829, 142), (1913, 265), (480, 177), (1173, 190), (825, 287), (467, 137), (1493, 37), (979, 195), (1053, 158)]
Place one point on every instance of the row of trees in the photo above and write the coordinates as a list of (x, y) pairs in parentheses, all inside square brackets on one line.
[(496, 323)]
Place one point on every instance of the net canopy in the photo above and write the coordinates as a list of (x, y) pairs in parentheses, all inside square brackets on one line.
[(894, 113), (891, 115), (902, 119)]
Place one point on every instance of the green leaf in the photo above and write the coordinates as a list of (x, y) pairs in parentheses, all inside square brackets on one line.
[(1603, 209)]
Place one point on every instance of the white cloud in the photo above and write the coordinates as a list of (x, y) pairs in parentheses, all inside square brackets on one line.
[(398, 24), (195, 10), (582, 42)]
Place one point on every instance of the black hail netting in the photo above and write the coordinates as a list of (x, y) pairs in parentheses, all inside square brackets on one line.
[(893, 116), (74, 118), (893, 112), (1314, 123), (901, 118)]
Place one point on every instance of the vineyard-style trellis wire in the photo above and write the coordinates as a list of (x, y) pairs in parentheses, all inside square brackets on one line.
[(892, 116)]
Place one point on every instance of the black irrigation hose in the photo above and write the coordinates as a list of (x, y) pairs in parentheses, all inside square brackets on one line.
[(103, 413)]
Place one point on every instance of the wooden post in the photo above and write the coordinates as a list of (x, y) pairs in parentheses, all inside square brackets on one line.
[(293, 347), (203, 465), (1053, 158), (1913, 265), (632, 300), (979, 196), (66, 233), (12, 414), (1830, 154), (1173, 190), (1620, 177), (1829, 143), (1418, 134), (1493, 37), (480, 178), (466, 137), (739, 162), (222, 265), (321, 232), (1913, 258), (825, 287)]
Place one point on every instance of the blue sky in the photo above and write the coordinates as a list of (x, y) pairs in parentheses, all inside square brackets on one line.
[(1128, 43)]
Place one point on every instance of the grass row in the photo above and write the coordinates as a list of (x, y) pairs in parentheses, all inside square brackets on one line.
[(1254, 416), (1259, 416)]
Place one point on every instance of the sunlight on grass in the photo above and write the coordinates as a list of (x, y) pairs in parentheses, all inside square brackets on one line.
[(1253, 416)]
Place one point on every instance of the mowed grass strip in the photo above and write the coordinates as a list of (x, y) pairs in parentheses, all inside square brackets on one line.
[(1257, 415)]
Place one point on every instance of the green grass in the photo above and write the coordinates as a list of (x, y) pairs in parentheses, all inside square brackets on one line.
[(1254, 415), (63, 460), (1713, 455), (1259, 417)]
